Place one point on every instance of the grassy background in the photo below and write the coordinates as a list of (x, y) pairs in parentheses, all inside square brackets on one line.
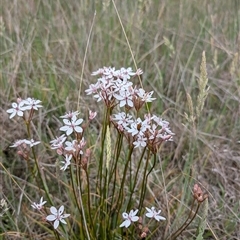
[(42, 46)]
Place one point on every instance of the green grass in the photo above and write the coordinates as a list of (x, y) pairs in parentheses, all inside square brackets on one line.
[(42, 47)]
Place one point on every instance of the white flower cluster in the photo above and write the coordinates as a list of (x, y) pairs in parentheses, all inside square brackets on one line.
[(150, 132), (24, 142), (114, 87), (56, 215), (18, 108), (74, 148), (132, 216), (22, 105)]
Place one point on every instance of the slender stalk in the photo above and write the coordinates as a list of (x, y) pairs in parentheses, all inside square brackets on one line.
[(145, 175), (75, 195), (83, 213), (120, 196), (135, 179), (114, 173), (154, 163), (27, 122), (117, 155), (185, 224), (89, 203), (100, 165)]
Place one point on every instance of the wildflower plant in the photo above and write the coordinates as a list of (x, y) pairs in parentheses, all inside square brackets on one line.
[(104, 196)]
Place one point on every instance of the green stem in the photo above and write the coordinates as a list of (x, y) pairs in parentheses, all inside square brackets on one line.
[(144, 183), (102, 177), (135, 179), (75, 197), (120, 196), (100, 168), (89, 204), (114, 173), (37, 166), (185, 224)]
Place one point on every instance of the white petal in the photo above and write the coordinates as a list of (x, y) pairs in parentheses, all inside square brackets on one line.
[(69, 131), (56, 224), (118, 97), (78, 129), (133, 213), (148, 209), (130, 103), (74, 118), (61, 210), (12, 115), (63, 221), (79, 121), (126, 223), (158, 218), (135, 219), (34, 206), (51, 217), (149, 214), (66, 121), (122, 103), (64, 128), (53, 210), (11, 110)]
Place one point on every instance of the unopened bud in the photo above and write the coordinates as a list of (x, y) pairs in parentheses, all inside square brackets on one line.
[(92, 115), (143, 235), (88, 152), (198, 193)]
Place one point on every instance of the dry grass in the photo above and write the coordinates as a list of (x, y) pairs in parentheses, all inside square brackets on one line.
[(42, 46)]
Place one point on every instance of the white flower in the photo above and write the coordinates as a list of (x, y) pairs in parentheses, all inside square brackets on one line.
[(17, 109), (126, 73), (93, 88), (140, 142), (66, 163), (70, 114), (39, 206), (164, 132), (160, 121), (152, 213), (145, 97), (72, 125), (123, 119), (58, 142), (138, 127), (129, 218), (57, 216), (74, 146), (31, 142), (71, 146), (99, 71), (19, 143), (125, 98), (120, 84), (32, 103), (108, 72)]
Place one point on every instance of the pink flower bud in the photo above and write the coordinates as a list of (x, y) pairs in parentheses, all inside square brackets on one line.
[(92, 115)]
